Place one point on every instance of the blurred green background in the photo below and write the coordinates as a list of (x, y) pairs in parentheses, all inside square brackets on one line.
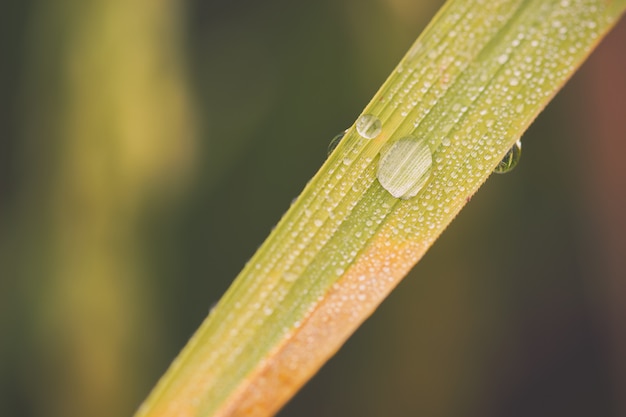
[(148, 147)]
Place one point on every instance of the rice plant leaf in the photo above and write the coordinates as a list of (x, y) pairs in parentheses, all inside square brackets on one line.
[(456, 103)]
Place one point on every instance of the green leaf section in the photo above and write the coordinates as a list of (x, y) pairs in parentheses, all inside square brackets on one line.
[(469, 87)]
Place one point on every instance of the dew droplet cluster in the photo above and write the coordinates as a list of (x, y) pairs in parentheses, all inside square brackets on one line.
[(470, 110)]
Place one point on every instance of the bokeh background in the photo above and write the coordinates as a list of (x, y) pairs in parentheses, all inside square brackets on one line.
[(147, 147)]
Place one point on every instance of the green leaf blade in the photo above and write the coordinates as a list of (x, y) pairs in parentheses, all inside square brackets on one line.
[(469, 87)]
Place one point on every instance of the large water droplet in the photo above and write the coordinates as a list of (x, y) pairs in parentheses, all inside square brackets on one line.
[(335, 141), (510, 160), (404, 167), (369, 126)]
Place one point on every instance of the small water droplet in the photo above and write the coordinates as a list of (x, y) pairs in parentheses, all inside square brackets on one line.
[(290, 276), (405, 167), (502, 58), (510, 160), (335, 141), (369, 126)]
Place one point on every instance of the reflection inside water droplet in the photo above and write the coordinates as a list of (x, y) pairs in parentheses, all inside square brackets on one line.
[(510, 160), (369, 126), (405, 167), (335, 141)]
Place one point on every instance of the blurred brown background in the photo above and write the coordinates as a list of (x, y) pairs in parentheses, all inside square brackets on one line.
[(148, 146)]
